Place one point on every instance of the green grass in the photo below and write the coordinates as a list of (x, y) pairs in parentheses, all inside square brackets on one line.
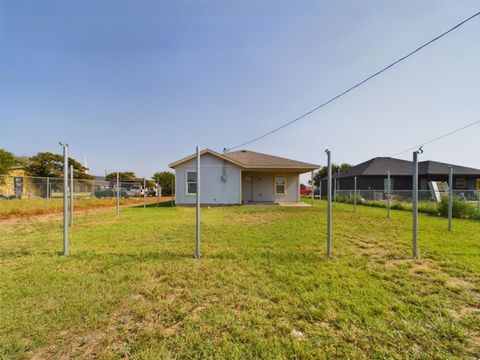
[(263, 289)]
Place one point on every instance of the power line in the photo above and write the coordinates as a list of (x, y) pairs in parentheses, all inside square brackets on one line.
[(357, 84), (438, 138)]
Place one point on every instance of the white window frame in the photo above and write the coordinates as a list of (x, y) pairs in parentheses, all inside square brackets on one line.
[(284, 184), (191, 182)]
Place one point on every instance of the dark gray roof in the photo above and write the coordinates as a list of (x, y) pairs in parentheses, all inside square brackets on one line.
[(380, 165)]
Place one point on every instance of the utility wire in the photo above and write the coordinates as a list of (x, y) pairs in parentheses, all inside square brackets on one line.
[(438, 138), (356, 85)]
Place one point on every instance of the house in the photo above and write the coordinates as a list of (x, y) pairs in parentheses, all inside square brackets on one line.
[(239, 177), (372, 175)]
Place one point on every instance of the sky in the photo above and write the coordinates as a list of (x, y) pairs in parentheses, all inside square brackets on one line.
[(136, 85)]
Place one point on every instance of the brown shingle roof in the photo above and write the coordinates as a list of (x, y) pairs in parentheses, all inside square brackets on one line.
[(252, 159)]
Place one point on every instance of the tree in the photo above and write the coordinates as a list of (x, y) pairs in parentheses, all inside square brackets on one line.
[(165, 178), (323, 172), (46, 164), (123, 175), (7, 160)]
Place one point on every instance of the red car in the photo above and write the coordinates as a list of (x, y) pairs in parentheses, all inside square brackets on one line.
[(305, 191)]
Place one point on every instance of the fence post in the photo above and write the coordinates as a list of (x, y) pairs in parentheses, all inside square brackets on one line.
[(355, 195), (65, 199), (172, 194), (198, 199), (93, 188), (118, 194), (312, 192), (329, 205), (48, 191), (388, 194), (145, 193), (159, 193), (450, 196), (335, 192), (71, 195), (415, 203)]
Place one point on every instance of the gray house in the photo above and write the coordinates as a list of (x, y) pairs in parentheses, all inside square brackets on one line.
[(372, 175), (239, 177)]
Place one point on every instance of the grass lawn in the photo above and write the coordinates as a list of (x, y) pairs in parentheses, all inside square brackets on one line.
[(30, 207), (263, 289)]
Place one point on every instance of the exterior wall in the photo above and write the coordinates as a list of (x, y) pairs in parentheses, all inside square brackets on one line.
[(398, 183), (264, 186), (213, 190)]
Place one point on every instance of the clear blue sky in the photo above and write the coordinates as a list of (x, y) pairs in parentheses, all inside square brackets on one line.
[(135, 85)]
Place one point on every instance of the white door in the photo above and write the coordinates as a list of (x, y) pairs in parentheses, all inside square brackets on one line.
[(247, 189)]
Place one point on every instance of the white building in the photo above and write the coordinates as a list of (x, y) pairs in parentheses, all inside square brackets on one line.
[(239, 177)]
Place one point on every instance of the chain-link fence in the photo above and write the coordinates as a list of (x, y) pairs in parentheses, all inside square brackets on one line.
[(406, 195), (24, 195)]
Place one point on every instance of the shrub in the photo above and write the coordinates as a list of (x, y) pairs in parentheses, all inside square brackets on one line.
[(460, 209)]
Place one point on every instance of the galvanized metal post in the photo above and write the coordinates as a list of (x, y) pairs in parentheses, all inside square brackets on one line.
[(118, 194), (158, 193), (415, 203), (312, 192), (450, 196), (93, 188), (320, 190), (388, 194), (71, 195), (65, 199), (172, 195), (198, 199), (329, 205), (355, 195), (145, 193), (48, 192), (335, 192)]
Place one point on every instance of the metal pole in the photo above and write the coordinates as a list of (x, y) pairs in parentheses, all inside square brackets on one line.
[(71, 195), (158, 193), (171, 201), (329, 205), (48, 191), (335, 192), (320, 190), (355, 195), (388, 194), (118, 194), (415, 203), (65, 199), (198, 199), (93, 188), (145, 193), (312, 195), (450, 196)]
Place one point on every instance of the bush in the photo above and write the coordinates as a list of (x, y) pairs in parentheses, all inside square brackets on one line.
[(460, 209)]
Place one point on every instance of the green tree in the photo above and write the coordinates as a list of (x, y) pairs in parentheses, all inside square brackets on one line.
[(7, 160), (165, 178), (123, 175), (323, 172), (46, 164)]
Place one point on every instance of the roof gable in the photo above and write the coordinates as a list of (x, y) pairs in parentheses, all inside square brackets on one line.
[(203, 152), (253, 160)]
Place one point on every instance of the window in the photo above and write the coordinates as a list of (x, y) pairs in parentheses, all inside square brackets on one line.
[(385, 184), (191, 179), (280, 185), (460, 182)]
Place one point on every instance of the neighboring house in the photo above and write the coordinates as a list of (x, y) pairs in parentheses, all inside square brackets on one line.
[(101, 183), (372, 175), (15, 184), (239, 177)]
